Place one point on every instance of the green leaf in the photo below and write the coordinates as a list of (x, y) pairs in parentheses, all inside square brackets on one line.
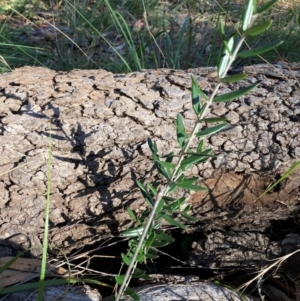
[(189, 180), (211, 130), (150, 240), (181, 134), (173, 222), (200, 146), (176, 205), (167, 164), (135, 232), (159, 244), (145, 193), (131, 292), (172, 188), (160, 235), (169, 157), (248, 13), (226, 53), (152, 256), (257, 51), (132, 214), (203, 108), (192, 187), (236, 94), (168, 198), (187, 208), (205, 153), (152, 146), (188, 217), (160, 205), (126, 259), (140, 258), (234, 78), (194, 159), (119, 279), (266, 6), (152, 188), (190, 160), (138, 273), (258, 29), (196, 93), (214, 119)]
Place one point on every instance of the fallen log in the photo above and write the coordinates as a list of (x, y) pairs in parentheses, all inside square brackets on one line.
[(99, 124)]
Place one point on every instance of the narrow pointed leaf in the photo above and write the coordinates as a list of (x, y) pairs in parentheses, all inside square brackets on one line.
[(234, 78), (152, 256), (119, 279), (257, 51), (172, 188), (126, 259), (215, 119), (173, 222), (200, 146), (192, 187), (165, 237), (189, 180), (181, 134), (258, 29), (152, 146), (160, 205), (135, 232), (187, 208), (234, 95), (140, 258), (152, 188), (187, 162), (196, 93), (132, 214), (248, 13), (169, 157), (192, 159), (132, 293), (205, 153), (196, 90), (138, 273), (223, 62), (167, 164), (150, 240), (160, 244), (202, 109), (145, 193), (266, 6), (188, 217), (212, 130), (163, 171), (168, 199)]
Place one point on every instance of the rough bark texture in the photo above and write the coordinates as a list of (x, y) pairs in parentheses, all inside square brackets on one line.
[(100, 123)]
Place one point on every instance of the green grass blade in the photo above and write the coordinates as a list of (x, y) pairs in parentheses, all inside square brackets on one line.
[(47, 213), (286, 174)]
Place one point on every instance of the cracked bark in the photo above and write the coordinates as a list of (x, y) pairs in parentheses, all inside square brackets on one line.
[(100, 123)]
